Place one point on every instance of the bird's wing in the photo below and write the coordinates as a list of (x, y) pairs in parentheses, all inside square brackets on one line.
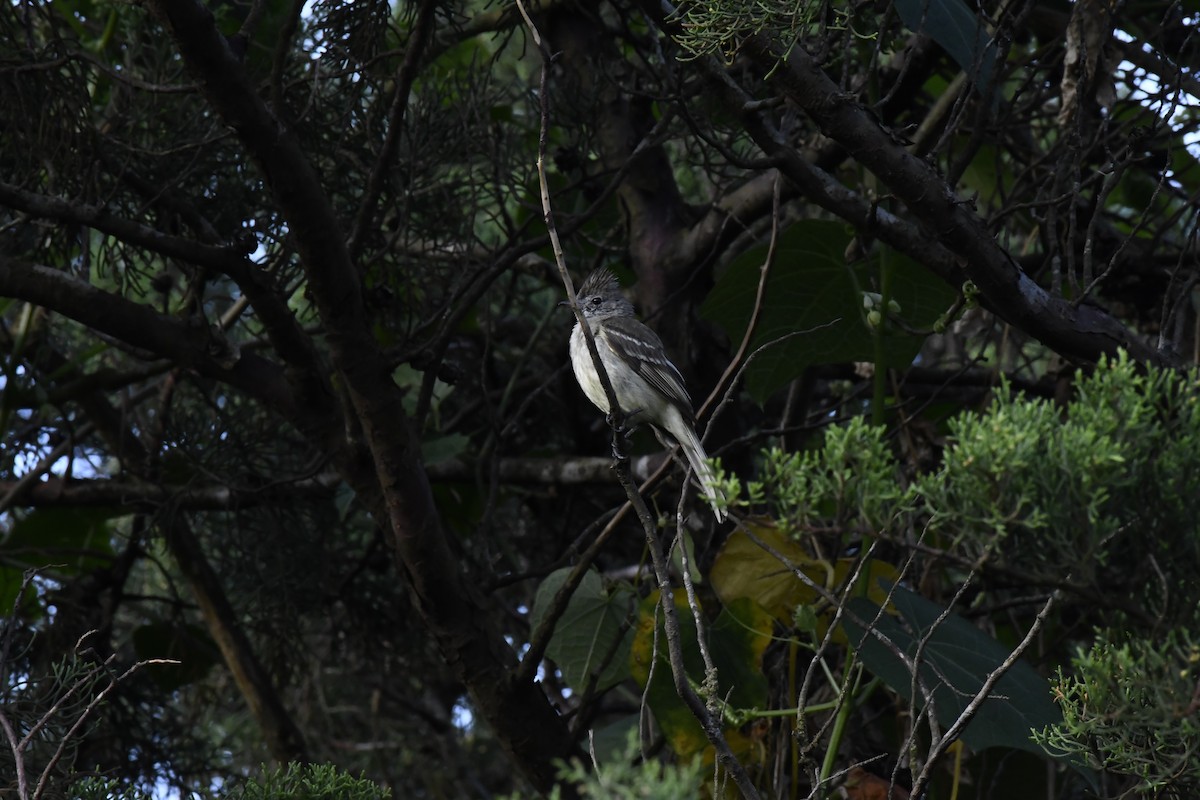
[(643, 351)]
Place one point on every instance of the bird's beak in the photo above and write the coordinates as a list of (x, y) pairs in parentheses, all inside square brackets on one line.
[(562, 303)]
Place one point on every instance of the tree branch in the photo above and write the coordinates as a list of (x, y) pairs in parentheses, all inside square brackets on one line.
[(283, 738), (418, 37), (221, 259), (525, 723), (142, 327), (1084, 332), (57, 493)]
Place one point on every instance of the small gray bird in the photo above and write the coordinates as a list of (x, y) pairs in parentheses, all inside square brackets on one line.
[(648, 387)]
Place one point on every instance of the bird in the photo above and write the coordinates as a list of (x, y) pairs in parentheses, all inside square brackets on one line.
[(647, 386)]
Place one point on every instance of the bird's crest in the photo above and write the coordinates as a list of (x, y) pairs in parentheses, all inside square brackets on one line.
[(601, 281)]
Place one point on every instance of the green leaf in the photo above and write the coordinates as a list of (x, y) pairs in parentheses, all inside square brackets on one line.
[(744, 570), (959, 31), (955, 661), (73, 539), (813, 305), (739, 637), (590, 636), (688, 545), (190, 645), (987, 175), (443, 448), (25, 607), (461, 505)]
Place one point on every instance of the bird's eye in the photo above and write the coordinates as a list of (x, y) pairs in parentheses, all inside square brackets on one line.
[(597, 300)]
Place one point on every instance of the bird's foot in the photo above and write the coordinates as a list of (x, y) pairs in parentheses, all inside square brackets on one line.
[(621, 435)]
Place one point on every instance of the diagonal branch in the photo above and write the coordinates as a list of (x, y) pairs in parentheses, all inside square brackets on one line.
[(281, 325), (1080, 332), (952, 734), (525, 723), (221, 259), (283, 737), (142, 327), (953, 241)]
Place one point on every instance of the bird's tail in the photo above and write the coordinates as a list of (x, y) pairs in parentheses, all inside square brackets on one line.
[(698, 460)]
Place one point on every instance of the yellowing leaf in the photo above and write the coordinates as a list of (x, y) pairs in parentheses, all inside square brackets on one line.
[(757, 563), (681, 728), (761, 563), (737, 639)]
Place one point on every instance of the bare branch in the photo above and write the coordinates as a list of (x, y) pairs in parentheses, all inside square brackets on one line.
[(952, 733), (58, 493), (142, 327), (1084, 332)]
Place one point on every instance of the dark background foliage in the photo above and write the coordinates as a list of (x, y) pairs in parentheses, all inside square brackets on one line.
[(285, 394)]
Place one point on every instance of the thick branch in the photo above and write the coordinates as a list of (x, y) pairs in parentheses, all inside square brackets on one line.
[(1081, 332), (524, 721), (283, 737), (728, 217), (829, 193), (221, 259), (142, 327), (290, 342), (56, 493)]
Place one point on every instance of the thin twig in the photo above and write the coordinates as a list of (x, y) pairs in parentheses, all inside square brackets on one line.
[(727, 378), (421, 33), (712, 728), (540, 638), (83, 716), (955, 730), (10, 733), (685, 568)]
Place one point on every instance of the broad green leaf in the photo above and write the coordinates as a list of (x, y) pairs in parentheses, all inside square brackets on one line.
[(686, 543), (739, 637), (27, 606), (813, 305), (443, 448), (460, 503), (986, 175), (744, 569), (190, 645), (960, 32), (955, 661), (589, 637), (70, 539)]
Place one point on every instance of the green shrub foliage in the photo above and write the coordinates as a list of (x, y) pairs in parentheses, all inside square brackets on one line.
[(1094, 501)]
